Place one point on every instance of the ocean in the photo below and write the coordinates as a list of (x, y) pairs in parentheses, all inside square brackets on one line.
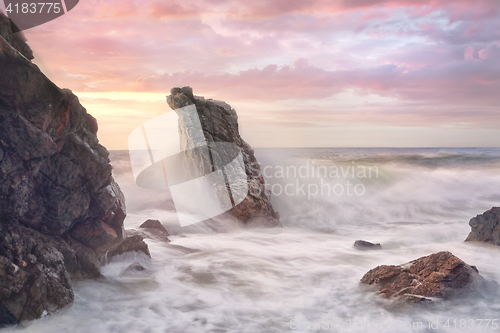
[(305, 276)]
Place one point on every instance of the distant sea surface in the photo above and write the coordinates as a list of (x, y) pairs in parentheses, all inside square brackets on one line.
[(305, 276)]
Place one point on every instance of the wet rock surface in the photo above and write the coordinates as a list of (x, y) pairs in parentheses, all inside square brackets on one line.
[(486, 227), (364, 245), (155, 229), (133, 242), (439, 275), (220, 124), (33, 278), (133, 269), (61, 212), (7, 318)]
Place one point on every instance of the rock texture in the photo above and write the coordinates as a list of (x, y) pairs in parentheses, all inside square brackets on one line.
[(439, 275), (220, 124), (33, 277), (155, 229), (133, 269), (61, 212), (486, 227), (16, 40)]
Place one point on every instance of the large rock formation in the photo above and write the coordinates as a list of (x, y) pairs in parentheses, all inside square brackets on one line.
[(220, 124), (61, 212), (439, 275), (486, 227)]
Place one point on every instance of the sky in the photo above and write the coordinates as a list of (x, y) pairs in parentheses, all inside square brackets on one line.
[(315, 73)]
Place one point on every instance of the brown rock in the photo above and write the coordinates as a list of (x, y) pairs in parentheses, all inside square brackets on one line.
[(220, 124), (92, 124), (439, 275), (134, 242), (97, 236), (80, 261), (155, 229)]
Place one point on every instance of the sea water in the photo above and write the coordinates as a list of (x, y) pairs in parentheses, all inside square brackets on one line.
[(305, 276)]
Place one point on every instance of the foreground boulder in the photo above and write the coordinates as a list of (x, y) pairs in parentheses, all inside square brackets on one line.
[(220, 124), (486, 227), (61, 212), (439, 275)]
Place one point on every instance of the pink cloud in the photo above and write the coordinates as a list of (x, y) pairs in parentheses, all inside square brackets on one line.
[(469, 53), (370, 15), (169, 8), (417, 55), (474, 83), (257, 51), (470, 10), (490, 52), (465, 9), (114, 8)]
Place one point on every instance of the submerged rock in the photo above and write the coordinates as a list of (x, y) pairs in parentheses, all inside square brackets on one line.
[(486, 227), (220, 124), (134, 241), (364, 245), (439, 275), (61, 212), (133, 269), (155, 229)]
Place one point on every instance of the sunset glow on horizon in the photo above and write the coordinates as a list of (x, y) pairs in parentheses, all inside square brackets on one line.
[(315, 73)]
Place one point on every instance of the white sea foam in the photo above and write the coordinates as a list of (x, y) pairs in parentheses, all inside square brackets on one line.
[(304, 277)]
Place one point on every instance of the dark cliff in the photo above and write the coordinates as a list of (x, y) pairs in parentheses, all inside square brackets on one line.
[(61, 212)]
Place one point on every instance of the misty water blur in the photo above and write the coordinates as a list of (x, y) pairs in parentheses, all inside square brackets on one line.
[(226, 279)]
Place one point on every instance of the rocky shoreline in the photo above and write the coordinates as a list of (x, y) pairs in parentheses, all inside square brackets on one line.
[(61, 211)]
